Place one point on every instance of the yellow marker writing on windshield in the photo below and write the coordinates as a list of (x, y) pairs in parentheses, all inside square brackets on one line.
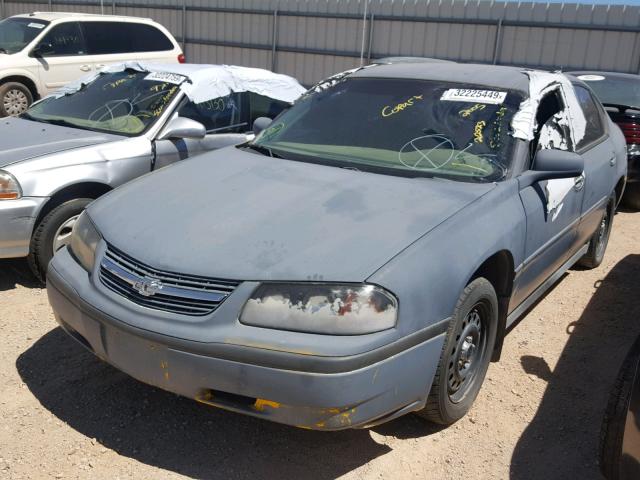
[(478, 136), (387, 111)]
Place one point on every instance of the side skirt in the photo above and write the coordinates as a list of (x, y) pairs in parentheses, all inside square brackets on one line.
[(546, 285)]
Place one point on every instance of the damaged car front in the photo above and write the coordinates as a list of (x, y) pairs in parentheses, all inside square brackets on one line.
[(353, 263)]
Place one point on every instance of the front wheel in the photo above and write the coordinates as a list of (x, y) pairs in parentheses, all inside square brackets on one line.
[(466, 354), (600, 239), (15, 98), (53, 233)]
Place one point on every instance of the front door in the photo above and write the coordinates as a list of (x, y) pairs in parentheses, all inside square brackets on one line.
[(552, 207), (224, 120), (65, 59)]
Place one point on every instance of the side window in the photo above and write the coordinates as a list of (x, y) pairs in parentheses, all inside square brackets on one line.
[(595, 127), (262, 106), (65, 40), (223, 115), (553, 125), (105, 38), (147, 38)]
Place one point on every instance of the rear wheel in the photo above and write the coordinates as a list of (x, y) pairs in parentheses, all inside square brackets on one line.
[(53, 233), (15, 98), (600, 239), (466, 354)]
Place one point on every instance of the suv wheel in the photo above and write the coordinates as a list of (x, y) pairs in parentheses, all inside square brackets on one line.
[(53, 233), (15, 98)]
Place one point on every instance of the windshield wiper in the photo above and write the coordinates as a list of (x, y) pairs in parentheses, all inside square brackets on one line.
[(263, 150), (58, 122), (3, 50)]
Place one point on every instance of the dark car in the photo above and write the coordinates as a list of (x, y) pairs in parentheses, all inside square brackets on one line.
[(620, 445), (620, 95)]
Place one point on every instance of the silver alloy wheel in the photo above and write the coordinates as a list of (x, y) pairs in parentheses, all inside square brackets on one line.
[(62, 237), (15, 102)]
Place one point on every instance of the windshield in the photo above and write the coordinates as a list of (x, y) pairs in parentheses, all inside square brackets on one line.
[(401, 127), (16, 33), (124, 103), (616, 90)]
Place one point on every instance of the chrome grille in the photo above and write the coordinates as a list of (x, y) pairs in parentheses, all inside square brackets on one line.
[(160, 290)]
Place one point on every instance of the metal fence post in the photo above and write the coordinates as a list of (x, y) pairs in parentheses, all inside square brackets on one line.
[(184, 26), (274, 41), (50, 5), (364, 31), (497, 46), (370, 43), (113, 7), (1, 8)]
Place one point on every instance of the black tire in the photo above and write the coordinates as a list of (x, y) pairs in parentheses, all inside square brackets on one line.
[(600, 239), (457, 382), (15, 98), (631, 196), (613, 423), (41, 249)]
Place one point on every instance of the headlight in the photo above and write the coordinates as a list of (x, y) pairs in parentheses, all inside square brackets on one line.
[(9, 187), (321, 308), (84, 241)]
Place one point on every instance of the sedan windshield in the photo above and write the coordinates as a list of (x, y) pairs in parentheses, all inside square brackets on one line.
[(16, 33), (400, 127), (124, 103)]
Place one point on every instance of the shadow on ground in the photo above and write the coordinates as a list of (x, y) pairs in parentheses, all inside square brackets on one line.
[(180, 435), (562, 439), (15, 272)]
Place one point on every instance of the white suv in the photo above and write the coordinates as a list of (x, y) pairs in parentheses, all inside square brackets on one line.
[(42, 51)]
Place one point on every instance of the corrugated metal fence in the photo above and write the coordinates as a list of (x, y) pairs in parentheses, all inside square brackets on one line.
[(311, 39)]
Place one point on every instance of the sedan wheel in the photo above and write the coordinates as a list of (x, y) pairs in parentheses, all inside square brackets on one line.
[(465, 355), (600, 239), (62, 237)]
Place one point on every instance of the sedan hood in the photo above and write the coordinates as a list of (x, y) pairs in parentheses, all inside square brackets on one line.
[(238, 215), (23, 139)]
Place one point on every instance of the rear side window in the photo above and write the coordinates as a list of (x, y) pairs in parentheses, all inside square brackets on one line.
[(65, 39), (105, 38), (595, 127)]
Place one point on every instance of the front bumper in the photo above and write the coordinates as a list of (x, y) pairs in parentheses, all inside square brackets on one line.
[(17, 218), (373, 392)]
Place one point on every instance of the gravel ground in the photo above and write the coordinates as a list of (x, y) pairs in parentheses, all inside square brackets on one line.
[(65, 414)]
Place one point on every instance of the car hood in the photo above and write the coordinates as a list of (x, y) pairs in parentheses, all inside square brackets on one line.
[(243, 216), (23, 139)]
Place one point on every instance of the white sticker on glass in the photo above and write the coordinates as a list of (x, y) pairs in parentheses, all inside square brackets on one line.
[(166, 77), (475, 96), (36, 25), (590, 78)]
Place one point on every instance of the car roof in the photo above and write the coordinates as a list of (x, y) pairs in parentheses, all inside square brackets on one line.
[(56, 16), (510, 78)]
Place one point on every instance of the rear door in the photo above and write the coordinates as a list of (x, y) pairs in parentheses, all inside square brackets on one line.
[(225, 119), (552, 207), (599, 163), (66, 59), (110, 42)]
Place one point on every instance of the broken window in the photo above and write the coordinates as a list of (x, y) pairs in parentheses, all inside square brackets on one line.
[(552, 120)]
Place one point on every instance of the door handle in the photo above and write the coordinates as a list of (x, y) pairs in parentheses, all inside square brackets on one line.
[(85, 68), (578, 183), (612, 161)]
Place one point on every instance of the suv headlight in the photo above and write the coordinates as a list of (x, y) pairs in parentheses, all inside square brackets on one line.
[(9, 187), (84, 241), (336, 309)]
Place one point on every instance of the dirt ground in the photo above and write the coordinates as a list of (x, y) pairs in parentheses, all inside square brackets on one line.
[(65, 414)]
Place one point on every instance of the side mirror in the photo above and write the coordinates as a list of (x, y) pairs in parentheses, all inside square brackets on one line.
[(550, 164), (260, 124), (182, 127), (42, 49)]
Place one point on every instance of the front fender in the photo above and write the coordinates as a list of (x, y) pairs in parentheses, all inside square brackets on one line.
[(435, 269)]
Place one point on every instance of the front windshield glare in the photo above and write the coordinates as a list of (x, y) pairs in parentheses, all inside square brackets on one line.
[(16, 33), (401, 127), (125, 103)]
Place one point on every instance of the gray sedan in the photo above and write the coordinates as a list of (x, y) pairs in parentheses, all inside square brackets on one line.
[(362, 258), (103, 131)]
